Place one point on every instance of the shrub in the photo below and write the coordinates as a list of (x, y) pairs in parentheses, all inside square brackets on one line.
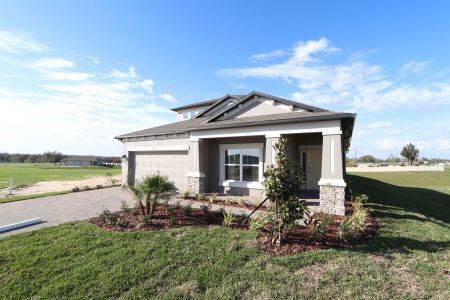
[(205, 208), (124, 206), (99, 186), (186, 195), (108, 216), (213, 198), (200, 196), (221, 210), (321, 226), (259, 221), (228, 219), (173, 220), (123, 223), (75, 189), (359, 201), (177, 205), (228, 199), (188, 210), (135, 211), (353, 226)]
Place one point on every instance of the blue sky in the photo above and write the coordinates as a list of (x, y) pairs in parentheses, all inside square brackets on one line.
[(76, 73)]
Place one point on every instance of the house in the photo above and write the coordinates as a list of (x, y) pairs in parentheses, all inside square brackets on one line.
[(224, 145), (79, 161)]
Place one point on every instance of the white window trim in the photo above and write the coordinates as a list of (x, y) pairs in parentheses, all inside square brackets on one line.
[(241, 184)]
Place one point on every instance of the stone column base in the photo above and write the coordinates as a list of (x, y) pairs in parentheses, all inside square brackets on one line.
[(332, 199), (196, 183)]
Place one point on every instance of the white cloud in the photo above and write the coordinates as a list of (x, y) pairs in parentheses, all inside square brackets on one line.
[(353, 82), (94, 59), (379, 124), (267, 56), (74, 76), (19, 41), (52, 63), (167, 97), (389, 144), (414, 67), (147, 85), (130, 74)]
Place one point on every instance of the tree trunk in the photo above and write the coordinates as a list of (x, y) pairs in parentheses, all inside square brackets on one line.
[(153, 205), (147, 204), (141, 206)]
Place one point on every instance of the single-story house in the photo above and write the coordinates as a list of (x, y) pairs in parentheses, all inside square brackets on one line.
[(79, 161), (224, 145)]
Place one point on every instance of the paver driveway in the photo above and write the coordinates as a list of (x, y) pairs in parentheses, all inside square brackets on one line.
[(63, 208)]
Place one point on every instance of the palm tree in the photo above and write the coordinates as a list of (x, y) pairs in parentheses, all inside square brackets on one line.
[(151, 190)]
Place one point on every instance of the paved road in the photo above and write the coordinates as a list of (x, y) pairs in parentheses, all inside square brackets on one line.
[(55, 210)]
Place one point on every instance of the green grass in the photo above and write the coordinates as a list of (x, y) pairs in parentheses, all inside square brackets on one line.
[(78, 260), (31, 173)]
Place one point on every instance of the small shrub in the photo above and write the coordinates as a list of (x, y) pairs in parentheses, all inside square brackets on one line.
[(228, 219), (188, 210), (186, 195), (228, 199), (200, 196), (239, 201), (359, 201), (108, 216), (99, 186), (205, 208), (123, 223), (124, 206), (354, 226), (259, 221), (321, 226), (177, 205), (135, 211), (221, 210), (173, 220), (213, 198), (75, 189), (145, 219)]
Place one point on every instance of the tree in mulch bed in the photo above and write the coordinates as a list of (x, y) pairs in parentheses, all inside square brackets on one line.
[(281, 186)]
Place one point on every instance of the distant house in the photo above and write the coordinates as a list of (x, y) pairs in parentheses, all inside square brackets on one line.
[(80, 161), (224, 145)]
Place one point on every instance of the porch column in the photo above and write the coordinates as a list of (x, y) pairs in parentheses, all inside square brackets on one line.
[(332, 184), (270, 152), (195, 178)]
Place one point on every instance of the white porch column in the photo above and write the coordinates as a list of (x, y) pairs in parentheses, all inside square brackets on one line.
[(332, 184), (195, 178), (270, 152)]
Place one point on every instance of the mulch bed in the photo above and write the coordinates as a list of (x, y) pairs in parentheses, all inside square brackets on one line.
[(129, 221), (300, 238), (225, 203)]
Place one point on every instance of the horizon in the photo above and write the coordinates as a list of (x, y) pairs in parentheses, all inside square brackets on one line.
[(77, 74)]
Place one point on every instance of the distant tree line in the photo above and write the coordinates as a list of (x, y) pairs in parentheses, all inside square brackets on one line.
[(52, 157)]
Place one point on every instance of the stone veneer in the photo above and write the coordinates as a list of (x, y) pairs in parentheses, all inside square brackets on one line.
[(332, 199), (196, 184)]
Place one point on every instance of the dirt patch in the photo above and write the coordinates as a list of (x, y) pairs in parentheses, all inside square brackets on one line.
[(300, 238), (58, 186)]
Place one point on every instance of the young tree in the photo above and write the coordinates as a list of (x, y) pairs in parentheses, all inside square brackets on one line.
[(410, 153), (150, 191), (281, 185), (367, 159)]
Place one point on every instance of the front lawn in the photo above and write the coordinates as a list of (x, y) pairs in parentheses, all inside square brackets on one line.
[(24, 173), (410, 258)]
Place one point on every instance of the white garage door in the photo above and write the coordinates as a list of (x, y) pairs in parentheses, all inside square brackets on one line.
[(170, 164)]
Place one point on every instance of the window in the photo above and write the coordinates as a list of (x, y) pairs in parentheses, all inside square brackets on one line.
[(186, 115), (241, 165)]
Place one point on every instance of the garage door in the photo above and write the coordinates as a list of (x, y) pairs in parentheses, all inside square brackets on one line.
[(170, 164)]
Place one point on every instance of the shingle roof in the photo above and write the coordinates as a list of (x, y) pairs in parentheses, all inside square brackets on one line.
[(200, 124), (203, 103)]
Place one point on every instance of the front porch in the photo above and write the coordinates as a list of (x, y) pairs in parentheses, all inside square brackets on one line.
[(234, 165)]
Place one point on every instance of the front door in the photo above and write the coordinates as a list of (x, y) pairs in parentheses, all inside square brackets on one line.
[(311, 160)]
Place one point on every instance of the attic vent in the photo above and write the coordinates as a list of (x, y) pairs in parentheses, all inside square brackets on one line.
[(230, 103)]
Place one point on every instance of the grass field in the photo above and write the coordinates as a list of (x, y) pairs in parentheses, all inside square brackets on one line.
[(31, 173), (409, 259)]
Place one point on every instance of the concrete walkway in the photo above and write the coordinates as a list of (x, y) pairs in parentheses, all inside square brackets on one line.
[(60, 209)]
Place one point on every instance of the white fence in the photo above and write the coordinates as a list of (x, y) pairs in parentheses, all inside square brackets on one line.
[(397, 169)]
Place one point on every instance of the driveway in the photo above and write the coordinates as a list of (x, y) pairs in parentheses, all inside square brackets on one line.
[(55, 210)]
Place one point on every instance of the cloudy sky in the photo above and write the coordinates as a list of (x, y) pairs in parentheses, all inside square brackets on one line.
[(74, 74)]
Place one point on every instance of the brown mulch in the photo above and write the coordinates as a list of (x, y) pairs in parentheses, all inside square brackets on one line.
[(300, 238), (129, 221), (224, 203)]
